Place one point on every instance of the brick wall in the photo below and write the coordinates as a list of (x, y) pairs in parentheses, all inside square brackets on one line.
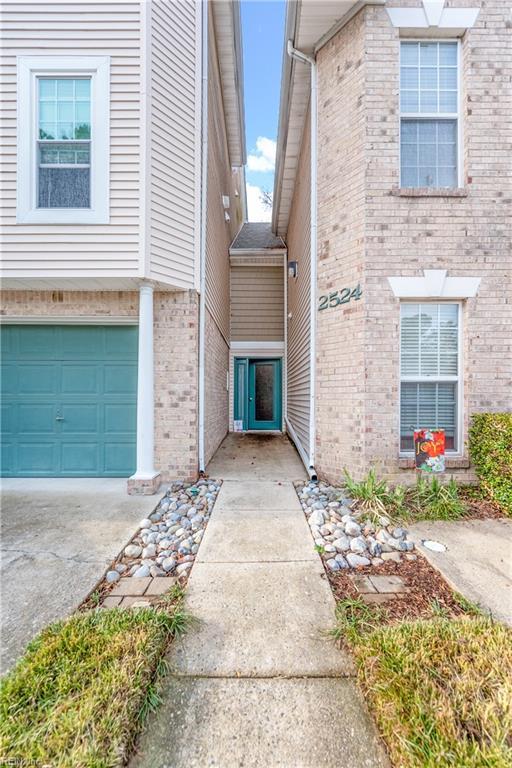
[(367, 232), (340, 402), (176, 355)]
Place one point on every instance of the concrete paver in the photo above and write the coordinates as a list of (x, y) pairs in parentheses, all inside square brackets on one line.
[(257, 537), (58, 536), (228, 723), (260, 619), (477, 562)]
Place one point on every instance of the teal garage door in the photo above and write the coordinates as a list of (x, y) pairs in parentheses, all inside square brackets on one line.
[(69, 400)]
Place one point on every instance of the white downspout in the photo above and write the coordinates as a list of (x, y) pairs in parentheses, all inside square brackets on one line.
[(303, 57), (202, 272)]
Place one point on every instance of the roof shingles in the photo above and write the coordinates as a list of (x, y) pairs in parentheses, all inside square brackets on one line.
[(256, 236)]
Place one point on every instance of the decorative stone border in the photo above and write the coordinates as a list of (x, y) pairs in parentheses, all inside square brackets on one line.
[(342, 536)]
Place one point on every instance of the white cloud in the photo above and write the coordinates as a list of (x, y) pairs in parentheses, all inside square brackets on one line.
[(264, 158), (256, 211)]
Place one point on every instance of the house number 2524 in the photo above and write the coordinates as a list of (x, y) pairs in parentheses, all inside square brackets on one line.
[(339, 297)]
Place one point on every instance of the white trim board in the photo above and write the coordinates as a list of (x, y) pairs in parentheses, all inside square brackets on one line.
[(69, 320), (434, 16), (434, 284), (263, 347)]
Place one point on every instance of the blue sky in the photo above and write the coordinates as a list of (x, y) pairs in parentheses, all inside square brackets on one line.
[(262, 31)]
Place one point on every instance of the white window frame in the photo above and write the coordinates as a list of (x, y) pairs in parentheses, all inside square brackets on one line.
[(30, 68), (459, 451), (431, 115)]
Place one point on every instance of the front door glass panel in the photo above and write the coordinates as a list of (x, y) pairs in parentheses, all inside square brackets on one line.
[(264, 392)]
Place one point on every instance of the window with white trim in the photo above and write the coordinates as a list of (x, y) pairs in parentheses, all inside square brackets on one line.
[(429, 371), (429, 114), (63, 155)]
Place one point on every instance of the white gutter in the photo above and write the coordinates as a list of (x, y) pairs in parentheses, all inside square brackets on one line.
[(202, 268), (313, 108)]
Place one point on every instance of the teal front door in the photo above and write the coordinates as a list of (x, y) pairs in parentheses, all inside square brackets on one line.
[(69, 400), (258, 393)]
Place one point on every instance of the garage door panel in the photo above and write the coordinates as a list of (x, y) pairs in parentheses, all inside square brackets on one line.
[(37, 379), (36, 458), (7, 457), (80, 379), (117, 456), (81, 418), (36, 418), (120, 379), (7, 416), (36, 341), (83, 342), (69, 400), (120, 418), (9, 379), (119, 343), (80, 458)]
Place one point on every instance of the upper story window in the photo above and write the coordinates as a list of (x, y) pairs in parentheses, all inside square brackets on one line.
[(429, 114), (63, 140), (64, 143), (429, 371)]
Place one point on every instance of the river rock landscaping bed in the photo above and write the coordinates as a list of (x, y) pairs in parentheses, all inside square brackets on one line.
[(167, 541), (344, 537)]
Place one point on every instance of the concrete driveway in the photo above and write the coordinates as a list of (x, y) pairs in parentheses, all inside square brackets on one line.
[(477, 561), (57, 538)]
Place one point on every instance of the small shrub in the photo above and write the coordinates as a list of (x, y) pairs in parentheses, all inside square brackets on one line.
[(432, 500), (374, 496), (429, 499), (490, 447)]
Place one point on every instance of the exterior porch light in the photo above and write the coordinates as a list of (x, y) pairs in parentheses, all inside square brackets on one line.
[(292, 268)]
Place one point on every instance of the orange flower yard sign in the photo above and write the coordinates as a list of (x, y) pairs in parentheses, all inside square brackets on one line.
[(429, 448)]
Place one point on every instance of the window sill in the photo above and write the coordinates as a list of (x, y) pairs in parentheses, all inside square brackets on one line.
[(451, 462), (62, 216), (428, 192)]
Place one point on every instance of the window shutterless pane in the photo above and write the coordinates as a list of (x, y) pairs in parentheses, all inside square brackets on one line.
[(64, 187), (448, 53), (431, 146), (65, 88), (409, 77), (428, 54), (428, 405), (409, 53), (64, 115)]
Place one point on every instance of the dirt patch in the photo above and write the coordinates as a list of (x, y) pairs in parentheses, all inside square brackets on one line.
[(428, 593)]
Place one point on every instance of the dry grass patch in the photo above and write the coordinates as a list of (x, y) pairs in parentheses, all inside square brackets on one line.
[(441, 690), (78, 696)]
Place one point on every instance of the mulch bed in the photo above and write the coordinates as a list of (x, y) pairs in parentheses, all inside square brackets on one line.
[(425, 588), (480, 509)]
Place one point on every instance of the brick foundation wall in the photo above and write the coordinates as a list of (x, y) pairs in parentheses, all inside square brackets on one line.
[(176, 355), (216, 393), (367, 231)]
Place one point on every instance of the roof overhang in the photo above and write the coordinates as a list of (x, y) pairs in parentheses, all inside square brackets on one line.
[(228, 35), (310, 24)]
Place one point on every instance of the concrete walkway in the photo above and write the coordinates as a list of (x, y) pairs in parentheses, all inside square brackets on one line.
[(477, 561), (256, 682), (58, 536)]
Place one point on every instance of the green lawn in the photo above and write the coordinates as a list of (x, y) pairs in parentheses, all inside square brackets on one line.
[(440, 690), (79, 694)]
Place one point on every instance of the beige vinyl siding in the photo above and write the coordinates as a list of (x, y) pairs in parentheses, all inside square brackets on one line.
[(299, 242), (257, 304), (174, 125), (67, 29), (221, 181)]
